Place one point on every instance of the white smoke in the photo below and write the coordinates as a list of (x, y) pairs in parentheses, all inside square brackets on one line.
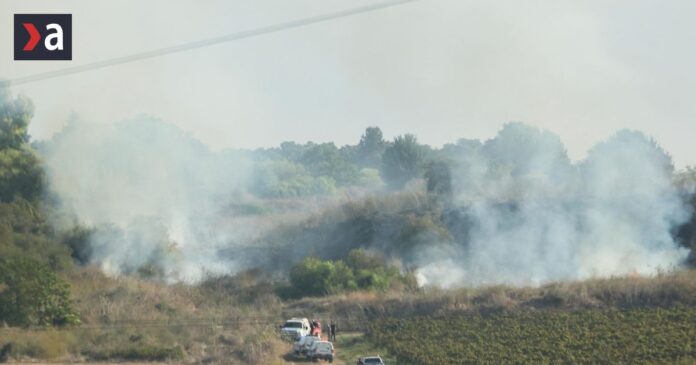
[(538, 218), (158, 198), (154, 194)]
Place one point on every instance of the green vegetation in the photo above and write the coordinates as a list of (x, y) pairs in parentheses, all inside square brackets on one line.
[(33, 295), (360, 271), (283, 179), (634, 336), (403, 161), (352, 346)]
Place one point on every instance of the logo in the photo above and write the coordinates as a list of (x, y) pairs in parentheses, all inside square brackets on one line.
[(43, 37)]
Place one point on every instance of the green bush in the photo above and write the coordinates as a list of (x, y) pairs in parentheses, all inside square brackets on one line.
[(315, 277), (32, 295)]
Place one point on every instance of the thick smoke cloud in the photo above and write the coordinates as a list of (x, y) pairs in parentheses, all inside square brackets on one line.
[(160, 200), (537, 218), (154, 195)]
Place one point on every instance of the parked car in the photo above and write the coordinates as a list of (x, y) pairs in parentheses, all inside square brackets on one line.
[(370, 360), (299, 345), (295, 328), (321, 350), (305, 343)]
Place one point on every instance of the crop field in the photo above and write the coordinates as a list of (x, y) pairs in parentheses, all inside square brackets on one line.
[(633, 336)]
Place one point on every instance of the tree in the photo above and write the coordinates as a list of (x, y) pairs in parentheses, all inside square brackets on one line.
[(32, 295), (282, 179), (293, 151), (525, 150), (21, 175), (371, 147), (438, 178), (20, 172), (463, 149), (15, 115), (325, 160), (402, 161)]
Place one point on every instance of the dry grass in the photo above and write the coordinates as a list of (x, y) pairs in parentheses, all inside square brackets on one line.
[(134, 318), (221, 321), (664, 290), (46, 345)]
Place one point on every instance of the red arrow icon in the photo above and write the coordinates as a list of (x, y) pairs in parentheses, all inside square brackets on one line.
[(34, 36)]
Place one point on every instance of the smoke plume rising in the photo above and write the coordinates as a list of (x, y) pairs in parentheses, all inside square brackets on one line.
[(538, 218), (154, 195), (159, 199)]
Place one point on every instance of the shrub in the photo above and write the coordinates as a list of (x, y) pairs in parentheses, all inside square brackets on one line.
[(31, 294), (315, 277)]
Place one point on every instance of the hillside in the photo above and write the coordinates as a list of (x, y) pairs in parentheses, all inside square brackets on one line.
[(136, 242)]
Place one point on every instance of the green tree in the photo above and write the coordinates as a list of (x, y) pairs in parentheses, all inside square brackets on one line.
[(326, 160), (15, 115), (371, 147), (524, 150), (438, 176), (292, 150), (402, 161), (20, 172), (283, 179), (32, 295), (21, 175)]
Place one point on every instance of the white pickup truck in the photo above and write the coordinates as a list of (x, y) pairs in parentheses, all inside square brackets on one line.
[(295, 328)]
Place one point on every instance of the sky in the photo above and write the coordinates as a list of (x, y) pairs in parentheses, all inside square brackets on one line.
[(440, 69)]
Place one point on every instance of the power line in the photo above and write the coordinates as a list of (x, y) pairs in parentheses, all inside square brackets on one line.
[(202, 43)]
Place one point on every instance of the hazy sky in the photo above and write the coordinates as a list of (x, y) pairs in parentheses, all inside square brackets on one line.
[(441, 69)]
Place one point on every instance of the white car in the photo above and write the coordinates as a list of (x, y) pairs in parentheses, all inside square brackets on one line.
[(321, 350), (295, 328), (370, 360), (311, 340), (300, 346)]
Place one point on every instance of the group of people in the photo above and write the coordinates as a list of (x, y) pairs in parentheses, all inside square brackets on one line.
[(315, 329)]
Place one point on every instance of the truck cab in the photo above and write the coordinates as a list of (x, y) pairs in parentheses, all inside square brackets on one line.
[(295, 328)]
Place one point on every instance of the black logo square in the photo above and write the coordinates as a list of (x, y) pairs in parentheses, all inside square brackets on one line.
[(43, 37)]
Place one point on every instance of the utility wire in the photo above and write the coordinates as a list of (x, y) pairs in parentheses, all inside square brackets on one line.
[(201, 43)]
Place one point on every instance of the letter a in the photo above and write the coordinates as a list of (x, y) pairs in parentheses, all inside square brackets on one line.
[(58, 36)]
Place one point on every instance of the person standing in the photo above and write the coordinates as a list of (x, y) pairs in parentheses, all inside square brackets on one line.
[(332, 331)]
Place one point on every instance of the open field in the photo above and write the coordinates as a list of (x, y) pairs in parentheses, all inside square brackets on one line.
[(635, 336), (351, 346)]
